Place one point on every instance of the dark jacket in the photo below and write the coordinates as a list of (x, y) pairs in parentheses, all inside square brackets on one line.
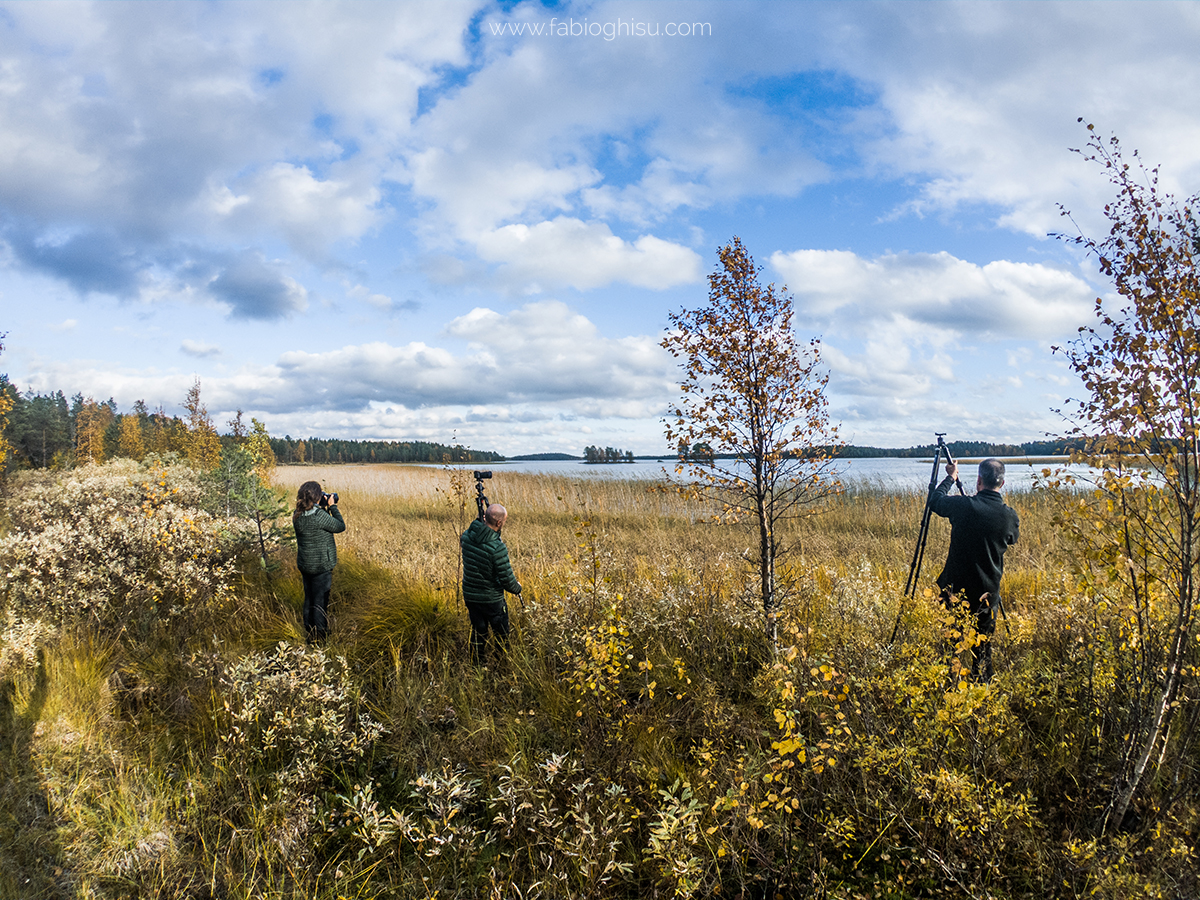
[(315, 550), (981, 528), (487, 573)]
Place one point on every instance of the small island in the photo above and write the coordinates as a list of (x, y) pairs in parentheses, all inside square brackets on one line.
[(599, 455)]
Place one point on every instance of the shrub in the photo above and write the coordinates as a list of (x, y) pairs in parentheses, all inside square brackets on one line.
[(293, 718), (293, 728), (121, 546)]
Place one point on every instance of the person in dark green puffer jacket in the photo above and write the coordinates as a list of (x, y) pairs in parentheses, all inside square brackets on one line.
[(316, 521), (487, 574)]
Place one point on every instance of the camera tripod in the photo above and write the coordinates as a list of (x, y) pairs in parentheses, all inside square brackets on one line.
[(481, 500), (914, 569)]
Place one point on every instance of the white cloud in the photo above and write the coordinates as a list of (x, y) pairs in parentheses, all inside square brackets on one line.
[(893, 364), (1002, 299), (709, 154), (162, 125), (562, 352), (556, 135), (931, 338), (983, 98), (379, 301), (256, 157), (199, 349), (475, 190), (534, 367), (583, 255), (310, 213), (541, 353)]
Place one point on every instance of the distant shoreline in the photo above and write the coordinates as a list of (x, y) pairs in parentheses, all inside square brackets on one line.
[(665, 458)]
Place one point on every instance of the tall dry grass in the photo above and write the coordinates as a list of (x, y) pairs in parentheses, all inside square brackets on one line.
[(407, 519)]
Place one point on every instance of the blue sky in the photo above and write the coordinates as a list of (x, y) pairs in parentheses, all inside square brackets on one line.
[(404, 221)]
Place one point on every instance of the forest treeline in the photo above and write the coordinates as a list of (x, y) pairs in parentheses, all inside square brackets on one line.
[(958, 450), (337, 450), (963, 449), (46, 431), (51, 431)]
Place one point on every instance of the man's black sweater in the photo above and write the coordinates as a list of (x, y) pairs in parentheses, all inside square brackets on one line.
[(981, 528)]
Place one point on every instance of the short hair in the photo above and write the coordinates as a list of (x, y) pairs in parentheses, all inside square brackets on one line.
[(991, 474), (495, 514)]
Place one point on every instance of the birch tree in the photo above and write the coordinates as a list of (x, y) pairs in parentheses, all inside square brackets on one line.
[(1140, 366), (754, 395)]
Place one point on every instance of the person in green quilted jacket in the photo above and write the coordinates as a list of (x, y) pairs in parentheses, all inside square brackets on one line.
[(487, 574), (316, 520)]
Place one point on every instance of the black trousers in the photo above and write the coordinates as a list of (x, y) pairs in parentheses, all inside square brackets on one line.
[(316, 604), (984, 610), (485, 616)]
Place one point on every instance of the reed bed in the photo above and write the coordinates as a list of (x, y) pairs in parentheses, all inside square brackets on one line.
[(408, 518)]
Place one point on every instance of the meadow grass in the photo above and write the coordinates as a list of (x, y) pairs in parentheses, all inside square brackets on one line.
[(407, 519), (640, 737)]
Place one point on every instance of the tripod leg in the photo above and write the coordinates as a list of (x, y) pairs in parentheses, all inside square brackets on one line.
[(914, 570)]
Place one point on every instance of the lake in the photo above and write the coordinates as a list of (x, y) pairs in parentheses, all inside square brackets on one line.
[(886, 472)]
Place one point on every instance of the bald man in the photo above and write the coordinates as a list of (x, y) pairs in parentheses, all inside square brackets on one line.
[(487, 574), (982, 527)]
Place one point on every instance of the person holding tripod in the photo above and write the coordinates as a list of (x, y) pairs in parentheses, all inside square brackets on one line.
[(487, 574), (982, 527)]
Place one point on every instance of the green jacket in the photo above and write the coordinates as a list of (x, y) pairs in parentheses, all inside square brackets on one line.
[(316, 551), (487, 573)]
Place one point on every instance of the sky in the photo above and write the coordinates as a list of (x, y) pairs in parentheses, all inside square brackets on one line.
[(469, 222)]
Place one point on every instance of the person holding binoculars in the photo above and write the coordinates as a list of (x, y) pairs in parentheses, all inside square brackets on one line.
[(316, 520)]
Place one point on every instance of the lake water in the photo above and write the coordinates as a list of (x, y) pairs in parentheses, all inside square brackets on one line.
[(888, 472)]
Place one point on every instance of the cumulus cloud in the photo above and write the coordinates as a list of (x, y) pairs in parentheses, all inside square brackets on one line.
[(932, 338), (297, 120), (381, 301), (99, 379), (545, 350), (583, 255), (361, 144), (542, 359), (311, 213), (539, 363), (982, 107), (473, 189), (280, 119), (890, 365), (728, 152), (1001, 299), (561, 140)]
